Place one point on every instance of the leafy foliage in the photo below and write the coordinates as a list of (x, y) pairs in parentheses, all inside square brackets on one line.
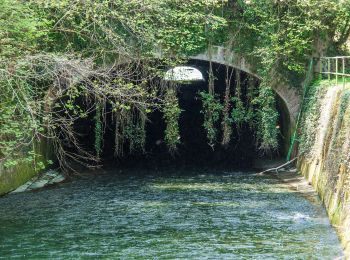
[(212, 109), (54, 53), (23, 30), (282, 35), (113, 28), (171, 115), (311, 115), (15, 131), (238, 113), (98, 130), (267, 131)]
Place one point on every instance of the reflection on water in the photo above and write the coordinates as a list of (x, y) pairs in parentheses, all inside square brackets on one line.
[(190, 215)]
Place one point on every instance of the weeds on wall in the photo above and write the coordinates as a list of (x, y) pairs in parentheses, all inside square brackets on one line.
[(310, 117), (336, 146)]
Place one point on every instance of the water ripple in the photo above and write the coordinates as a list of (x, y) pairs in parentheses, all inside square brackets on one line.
[(192, 215)]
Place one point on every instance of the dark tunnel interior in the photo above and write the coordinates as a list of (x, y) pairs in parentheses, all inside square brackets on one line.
[(193, 149)]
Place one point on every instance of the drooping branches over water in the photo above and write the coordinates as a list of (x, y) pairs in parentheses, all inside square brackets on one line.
[(171, 114), (61, 61), (226, 120), (212, 107), (43, 92), (243, 105), (130, 128)]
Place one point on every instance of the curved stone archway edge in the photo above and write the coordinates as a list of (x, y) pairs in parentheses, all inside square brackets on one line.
[(222, 55), (290, 95)]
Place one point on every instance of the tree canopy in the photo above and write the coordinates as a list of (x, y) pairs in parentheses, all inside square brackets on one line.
[(55, 52)]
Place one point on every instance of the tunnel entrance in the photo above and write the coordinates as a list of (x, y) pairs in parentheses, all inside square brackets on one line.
[(241, 151)]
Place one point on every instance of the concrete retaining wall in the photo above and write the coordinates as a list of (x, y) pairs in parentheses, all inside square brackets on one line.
[(326, 165)]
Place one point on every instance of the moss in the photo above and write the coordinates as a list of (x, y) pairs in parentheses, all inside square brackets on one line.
[(335, 217), (12, 178), (15, 177), (324, 155), (310, 116)]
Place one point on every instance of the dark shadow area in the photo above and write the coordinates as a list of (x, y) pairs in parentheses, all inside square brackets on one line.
[(194, 150), (284, 126)]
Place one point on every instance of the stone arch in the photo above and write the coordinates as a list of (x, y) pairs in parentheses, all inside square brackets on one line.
[(289, 95), (222, 55)]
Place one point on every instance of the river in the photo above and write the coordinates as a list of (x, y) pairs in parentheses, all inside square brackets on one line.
[(189, 214)]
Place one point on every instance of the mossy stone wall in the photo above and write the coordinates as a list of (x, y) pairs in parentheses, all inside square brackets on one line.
[(12, 178), (325, 161)]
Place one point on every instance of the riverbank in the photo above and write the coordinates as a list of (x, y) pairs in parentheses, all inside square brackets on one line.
[(295, 181)]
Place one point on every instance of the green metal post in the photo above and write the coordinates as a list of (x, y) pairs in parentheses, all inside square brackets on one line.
[(343, 73), (336, 71), (329, 69)]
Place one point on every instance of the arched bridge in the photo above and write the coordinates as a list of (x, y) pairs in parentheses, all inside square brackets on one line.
[(222, 55)]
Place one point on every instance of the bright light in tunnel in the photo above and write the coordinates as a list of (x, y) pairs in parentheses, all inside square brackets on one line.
[(183, 74)]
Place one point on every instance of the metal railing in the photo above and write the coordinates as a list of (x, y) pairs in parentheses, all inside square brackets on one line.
[(330, 66), (337, 67)]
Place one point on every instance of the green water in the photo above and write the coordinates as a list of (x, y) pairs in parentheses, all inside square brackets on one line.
[(185, 215)]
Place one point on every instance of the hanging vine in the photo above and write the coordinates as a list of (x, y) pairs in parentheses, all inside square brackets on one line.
[(226, 120), (171, 116), (211, 106), (130, 129), (212, 109), (252, 92), (98, 129), (238, 113), (211, 80), (135, 131), (118, 137), (267, 132)]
